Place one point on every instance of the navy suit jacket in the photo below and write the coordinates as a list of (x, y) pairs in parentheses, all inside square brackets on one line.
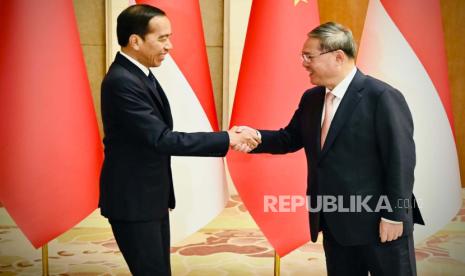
[(369, 151), (136, 181)]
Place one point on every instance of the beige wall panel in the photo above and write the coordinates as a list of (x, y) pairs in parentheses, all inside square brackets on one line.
[(212, 19), (215, 61), (453, 16), (112, 9), (350, 13), (90, 16), (236, 20)]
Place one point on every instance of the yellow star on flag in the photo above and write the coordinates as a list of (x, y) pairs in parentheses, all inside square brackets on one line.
[(298, 1)]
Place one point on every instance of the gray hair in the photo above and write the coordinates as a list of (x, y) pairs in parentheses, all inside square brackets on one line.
[(334, 36)]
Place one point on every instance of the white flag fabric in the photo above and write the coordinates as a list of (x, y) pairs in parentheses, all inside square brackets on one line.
[(199, 182), (395, 49)]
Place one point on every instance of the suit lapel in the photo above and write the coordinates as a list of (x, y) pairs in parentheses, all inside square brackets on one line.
[(315, 122), (159, 98), (350, 100)]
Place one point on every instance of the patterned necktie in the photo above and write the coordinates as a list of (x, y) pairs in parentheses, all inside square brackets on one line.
[(328, 116)]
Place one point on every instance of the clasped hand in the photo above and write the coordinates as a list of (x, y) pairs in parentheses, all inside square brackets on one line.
[(243, 139)]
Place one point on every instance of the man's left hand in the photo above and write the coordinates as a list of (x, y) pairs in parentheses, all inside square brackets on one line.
[(390, 231)]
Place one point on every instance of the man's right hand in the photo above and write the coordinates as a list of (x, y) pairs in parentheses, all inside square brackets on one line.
[(243, 141)]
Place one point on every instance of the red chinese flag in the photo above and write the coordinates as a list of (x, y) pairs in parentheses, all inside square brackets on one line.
[(50, 151), (271, 83)]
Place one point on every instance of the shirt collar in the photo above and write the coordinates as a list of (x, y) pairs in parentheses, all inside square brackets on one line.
[(341, 88), (138, 64)]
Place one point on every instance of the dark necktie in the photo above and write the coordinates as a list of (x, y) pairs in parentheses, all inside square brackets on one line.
[(158, 89), (152, 78)]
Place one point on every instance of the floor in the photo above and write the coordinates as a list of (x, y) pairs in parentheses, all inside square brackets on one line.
[(230, 245)]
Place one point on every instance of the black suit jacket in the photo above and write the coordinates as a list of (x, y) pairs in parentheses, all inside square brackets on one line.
[(369, 151), (136, 182)]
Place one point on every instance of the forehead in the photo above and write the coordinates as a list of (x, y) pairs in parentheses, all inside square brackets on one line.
[(311, 44), (160, 25)]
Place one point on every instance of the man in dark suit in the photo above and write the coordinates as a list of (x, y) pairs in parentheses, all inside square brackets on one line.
[(136, 186), (357, 133)]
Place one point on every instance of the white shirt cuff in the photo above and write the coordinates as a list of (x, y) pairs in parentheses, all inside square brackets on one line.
[(391, 221)]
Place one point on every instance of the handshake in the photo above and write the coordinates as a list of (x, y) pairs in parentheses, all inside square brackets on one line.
[(243, 138)]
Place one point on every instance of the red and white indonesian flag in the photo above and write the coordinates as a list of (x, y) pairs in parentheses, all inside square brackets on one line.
[(199, 182), (50, 149), (271, 83), (403, 44)]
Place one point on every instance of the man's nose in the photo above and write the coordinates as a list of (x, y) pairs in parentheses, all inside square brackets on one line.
[(169, 45)]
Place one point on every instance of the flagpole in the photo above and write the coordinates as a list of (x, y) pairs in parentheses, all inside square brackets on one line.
[(45, 260), (277, 262)]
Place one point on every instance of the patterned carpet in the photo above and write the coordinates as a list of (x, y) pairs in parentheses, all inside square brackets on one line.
[(230, 245)]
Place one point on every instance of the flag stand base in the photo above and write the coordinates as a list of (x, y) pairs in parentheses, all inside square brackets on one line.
[(45, 260), (277, 262)]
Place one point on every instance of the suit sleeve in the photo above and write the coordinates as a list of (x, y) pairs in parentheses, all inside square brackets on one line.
[(284, 140), (131, 108), (394, 130)]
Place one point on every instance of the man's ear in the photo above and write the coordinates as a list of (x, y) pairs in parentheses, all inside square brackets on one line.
[(134, 42), (340, 56)]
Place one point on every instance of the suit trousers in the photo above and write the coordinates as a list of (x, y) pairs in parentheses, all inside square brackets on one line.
[(390, 258), (145, 245)]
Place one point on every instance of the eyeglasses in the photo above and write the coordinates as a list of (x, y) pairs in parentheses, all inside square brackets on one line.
[(309, 58)]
